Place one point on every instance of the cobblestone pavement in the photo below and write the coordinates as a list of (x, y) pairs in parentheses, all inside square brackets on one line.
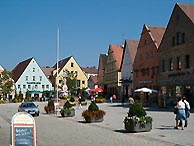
[(53, 130)]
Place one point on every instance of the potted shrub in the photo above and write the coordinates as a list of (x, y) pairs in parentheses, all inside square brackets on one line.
[(93, 113), (72, 101), (67, 110), (137, 121), (49, 108)]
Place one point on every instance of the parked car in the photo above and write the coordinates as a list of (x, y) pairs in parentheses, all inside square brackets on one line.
[(29, 107)]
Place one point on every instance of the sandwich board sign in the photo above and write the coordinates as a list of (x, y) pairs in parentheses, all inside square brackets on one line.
[(22, 130)]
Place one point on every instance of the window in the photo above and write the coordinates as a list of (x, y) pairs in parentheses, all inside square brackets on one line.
[(24, 86), (26, 78), (72, 64), (33, 69), (163, 66), (178, 63), (145, 42), (42, 86), (36, 86), (143, 72), (153, 71), (76, 73), (78, 83), (29, 86), (83, 82), (171, 64), (148, 71), (187, 61), (19, 87), (33, 78), (178, 39), (40, 78), (47, 86)]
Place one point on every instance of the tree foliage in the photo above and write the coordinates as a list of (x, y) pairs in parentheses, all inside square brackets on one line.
[(71, 81), (6, 83)]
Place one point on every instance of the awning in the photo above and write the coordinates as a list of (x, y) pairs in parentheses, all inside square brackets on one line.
[(33, 92)]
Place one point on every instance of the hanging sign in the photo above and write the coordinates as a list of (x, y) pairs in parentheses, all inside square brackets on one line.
[(23, 130)]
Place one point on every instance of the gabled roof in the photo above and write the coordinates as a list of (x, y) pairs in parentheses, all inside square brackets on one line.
[(94, 78), (19, 69), (117, 53), (156, 33), (62, 63), (48, 70), (132, 46), (102, 61), (187, 9), (89, 70)]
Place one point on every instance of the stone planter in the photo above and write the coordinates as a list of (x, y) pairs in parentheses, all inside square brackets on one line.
[(132, 127), (92, 120), (68, 112)]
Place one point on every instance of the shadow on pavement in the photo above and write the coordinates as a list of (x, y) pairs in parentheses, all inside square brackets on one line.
[(165, 127), (121, 131)]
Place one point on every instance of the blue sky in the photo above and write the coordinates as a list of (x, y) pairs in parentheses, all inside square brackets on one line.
[(28, 28)]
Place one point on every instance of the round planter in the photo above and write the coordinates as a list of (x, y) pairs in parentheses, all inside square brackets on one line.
[(92, 120), (68, 113)]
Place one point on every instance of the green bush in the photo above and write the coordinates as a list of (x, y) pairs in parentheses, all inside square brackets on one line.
[(136, 110), (72, 99), (93, 106), (67, 105)]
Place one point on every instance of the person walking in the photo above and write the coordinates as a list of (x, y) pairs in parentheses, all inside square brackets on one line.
[(180, 116), (187, 110), (79, 102)]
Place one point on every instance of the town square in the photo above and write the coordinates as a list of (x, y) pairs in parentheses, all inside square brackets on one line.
[(72, 73), (54, 130)]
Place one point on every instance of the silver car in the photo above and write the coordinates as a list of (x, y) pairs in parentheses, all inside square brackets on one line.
[(29, 107)]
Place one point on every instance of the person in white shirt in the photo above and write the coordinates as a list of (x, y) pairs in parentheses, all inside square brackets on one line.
[(180, 116), (187, 110)]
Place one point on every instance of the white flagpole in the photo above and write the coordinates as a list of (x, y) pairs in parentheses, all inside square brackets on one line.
[(57, 63)]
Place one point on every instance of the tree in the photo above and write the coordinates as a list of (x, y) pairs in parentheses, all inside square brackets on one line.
[(71, 81), (6, 83)]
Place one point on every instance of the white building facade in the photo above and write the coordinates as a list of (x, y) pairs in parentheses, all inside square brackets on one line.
[(32, 79)]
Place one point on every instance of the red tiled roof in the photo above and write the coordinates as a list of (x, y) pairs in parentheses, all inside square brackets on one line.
[(19, 69), (89, 70), (132, 46), (117, 53), (95, 79), (157, 33), (48, 71), (188, 9)]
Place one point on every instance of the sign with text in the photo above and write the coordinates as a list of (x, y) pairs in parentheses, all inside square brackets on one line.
[(23, 130)]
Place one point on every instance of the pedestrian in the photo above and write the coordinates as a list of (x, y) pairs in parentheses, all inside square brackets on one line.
[(180, 116), (79, 102), (187, 110), (131, 101), (111, 100)]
